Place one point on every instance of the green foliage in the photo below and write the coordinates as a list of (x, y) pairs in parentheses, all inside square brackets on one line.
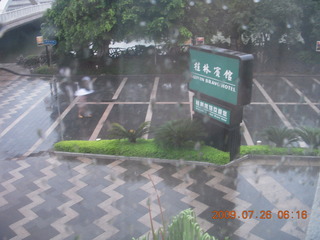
[(143, 148), (76, 23), (46, 70), (307, 57), (268, 150), (178, 133), (119, 132), (269, 27), (310, 136), (31, 61), (80, 23), (184, 226), (281, 137)]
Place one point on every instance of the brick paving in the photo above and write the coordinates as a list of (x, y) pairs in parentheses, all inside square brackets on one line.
[(61, 197)]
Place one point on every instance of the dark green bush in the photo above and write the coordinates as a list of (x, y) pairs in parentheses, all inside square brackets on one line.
[(308, 57), (179, 133), (31, 61), (46, 70), (268, 150), (281, 137), (310, 136)]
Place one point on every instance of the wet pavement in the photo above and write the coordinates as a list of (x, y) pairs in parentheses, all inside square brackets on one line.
[(63, 197), (31, 107)]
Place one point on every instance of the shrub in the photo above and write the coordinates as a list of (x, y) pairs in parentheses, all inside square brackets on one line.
[(310, 136), (268, 150), (184, 226), (46, 70), (178, 133), (119, 132), (20, 60), (281, 137), (31, 61)]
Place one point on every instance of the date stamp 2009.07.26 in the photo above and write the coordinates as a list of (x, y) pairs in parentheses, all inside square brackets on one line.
[(263, 214)]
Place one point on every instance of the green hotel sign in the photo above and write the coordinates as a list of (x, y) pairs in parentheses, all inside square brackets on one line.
[(218, 73), (218, 113)]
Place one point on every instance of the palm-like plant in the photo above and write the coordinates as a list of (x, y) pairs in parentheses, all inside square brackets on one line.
[(310, 136), (178, 133), (120, 132), (282, 137)]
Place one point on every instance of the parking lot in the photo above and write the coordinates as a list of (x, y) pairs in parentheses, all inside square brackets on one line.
[(63, 197), (29, 108)]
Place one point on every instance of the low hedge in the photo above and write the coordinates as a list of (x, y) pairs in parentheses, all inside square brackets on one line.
[(143, 148), (148, 149), (46, 70), (268, 150)]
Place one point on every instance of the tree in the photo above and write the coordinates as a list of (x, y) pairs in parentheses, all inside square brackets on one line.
[(79, 24), (233, 20), (310, 27)]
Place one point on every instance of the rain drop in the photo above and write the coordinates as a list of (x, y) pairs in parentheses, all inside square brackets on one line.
[(206, 119), (153, 1), (181, 162), (226, 171), (256, 1), (191, 3), (225, 7), (208, 1), (197, 146), (289, 25), (143, 24), (186, 178), (244, 27)]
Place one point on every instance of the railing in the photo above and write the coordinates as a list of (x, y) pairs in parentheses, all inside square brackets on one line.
[(23, 12), (140, 50)]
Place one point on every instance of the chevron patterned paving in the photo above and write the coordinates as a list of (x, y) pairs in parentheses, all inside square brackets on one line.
[(9, 89), (64, 197), (7, 79), (21, 102)]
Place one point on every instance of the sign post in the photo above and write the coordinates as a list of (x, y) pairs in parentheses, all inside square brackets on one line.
[(46, 43), (222, 82)]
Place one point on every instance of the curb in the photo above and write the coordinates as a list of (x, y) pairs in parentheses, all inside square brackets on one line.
[(180, 162)]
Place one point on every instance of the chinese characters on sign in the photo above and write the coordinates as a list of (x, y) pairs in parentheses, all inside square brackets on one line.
[(221, 80), (215, 112), (214, 75), (216, 71)]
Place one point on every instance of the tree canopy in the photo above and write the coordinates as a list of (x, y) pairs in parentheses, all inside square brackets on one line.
[(266, 25), (79, 23)]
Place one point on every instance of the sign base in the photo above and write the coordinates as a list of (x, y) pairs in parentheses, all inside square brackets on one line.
[(227, 139)]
